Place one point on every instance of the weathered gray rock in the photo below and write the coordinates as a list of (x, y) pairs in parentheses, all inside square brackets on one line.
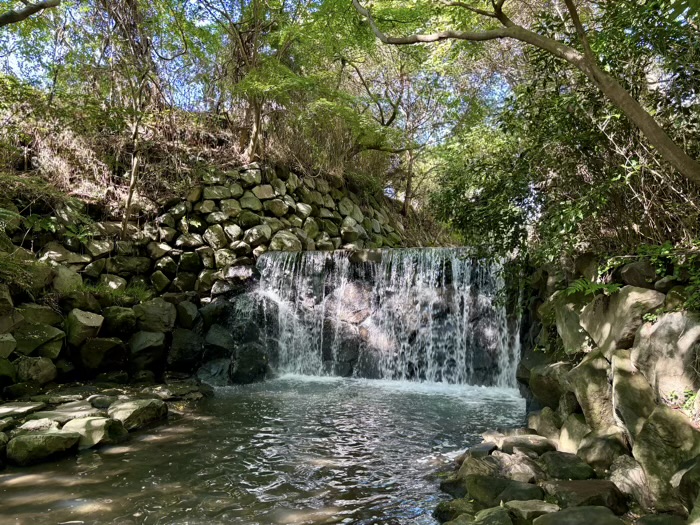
[(118, 321), (665, 353), (250, 177), (546, 423), (66, 280), (537, 444), (450, 510), (113, 282), (524, 512), (285, 241), (589, 381), (493, 516), (55, 252), (248, 219), (97, 431), (250, 202), (249, 365), (128, 266), (189, 241), (34, 313), (667, 440), (156, 315), (580, 516), (40, 370), (592, 492), (102, 354), (231, 207), (600, 447), (567, 312), (7, 345), (137, 413), (351, 230), (68, 411), (264, 192), (160, 281), (216, 193), (613, 320), (81, 326), (32, 448), (639, 273), (549, 382), (37, 425), (629, 477), (518, 467), (19, 408), (156, 250), (215, 373), (491, 491), (186, 351), (6, 304), (187, 314), (276, 207), (572, 433), (562, 465), (32, 337), (258, 235), (633, 397), (167, 265), (147, 350), (216, 237)]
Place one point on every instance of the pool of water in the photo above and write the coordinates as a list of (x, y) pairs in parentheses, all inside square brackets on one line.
[(290, 451)]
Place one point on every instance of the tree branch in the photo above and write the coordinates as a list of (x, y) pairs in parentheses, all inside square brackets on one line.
[(580, 31), (14, 16), (475, 36)]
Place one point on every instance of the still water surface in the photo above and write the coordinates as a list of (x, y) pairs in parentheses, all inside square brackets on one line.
[(290, 451)]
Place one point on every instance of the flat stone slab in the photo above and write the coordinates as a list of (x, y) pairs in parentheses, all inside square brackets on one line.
[(68, 412), (19, 408), (526, 511), (137, 413), (29, 449)]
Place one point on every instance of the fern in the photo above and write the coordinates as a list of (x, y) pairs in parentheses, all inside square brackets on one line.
[(586, 287)]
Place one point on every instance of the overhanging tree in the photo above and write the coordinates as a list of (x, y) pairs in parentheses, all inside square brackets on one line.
[(585, 60), (17, 15)]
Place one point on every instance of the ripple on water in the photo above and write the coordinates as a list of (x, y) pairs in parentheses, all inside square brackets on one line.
[(291, 451)]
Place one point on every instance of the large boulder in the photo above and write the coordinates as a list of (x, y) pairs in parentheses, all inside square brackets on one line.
[(580, 516), (613, 320), (549, 382), (567, 313), (39, 370), (524, 512), (35, 447), (628, 476), (490, 491), (32, 337), (81, 326), (639, 273), (562, 465), (665, 352), (600, 448), (589, 381), (118, 321), (156, 315), (633, 397), (667, 440), (102, 354), (186, 351), (250, 364), (258, 235), (125, 266), (138, 413), (590, 492), (97, 431), (147, 350)]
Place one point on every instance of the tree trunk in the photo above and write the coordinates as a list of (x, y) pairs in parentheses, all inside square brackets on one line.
[(130, 195)]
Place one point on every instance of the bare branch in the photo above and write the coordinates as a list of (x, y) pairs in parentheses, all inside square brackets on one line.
[(14, 16), (470, 8), (580, 31)]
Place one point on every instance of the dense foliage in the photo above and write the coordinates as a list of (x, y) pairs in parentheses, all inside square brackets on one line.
[(511, 146)]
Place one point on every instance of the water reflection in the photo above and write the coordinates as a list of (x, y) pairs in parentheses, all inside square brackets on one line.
[(290, 451)]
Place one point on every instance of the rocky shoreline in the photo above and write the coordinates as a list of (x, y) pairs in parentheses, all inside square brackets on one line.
[(612, 388)]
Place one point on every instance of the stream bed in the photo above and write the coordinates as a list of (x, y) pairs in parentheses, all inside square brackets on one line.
[(295, 450)]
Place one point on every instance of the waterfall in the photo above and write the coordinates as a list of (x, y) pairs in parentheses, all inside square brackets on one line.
[(433, 314)]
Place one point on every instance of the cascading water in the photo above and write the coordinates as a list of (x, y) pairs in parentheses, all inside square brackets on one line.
[(411, 314)]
